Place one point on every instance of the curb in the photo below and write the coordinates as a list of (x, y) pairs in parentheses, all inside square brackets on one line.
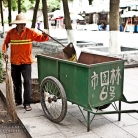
[(131, 66), (19, 121)]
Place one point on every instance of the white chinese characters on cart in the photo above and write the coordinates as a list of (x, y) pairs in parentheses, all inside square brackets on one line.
[(107, 77)]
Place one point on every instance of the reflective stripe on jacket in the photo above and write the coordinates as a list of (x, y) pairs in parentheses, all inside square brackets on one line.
[(21, 45)]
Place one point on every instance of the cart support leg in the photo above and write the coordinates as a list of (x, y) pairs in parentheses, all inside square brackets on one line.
[(88, 121), (119, 114)]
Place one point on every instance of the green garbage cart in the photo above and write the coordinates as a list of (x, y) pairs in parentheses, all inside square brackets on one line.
[(93, 83)]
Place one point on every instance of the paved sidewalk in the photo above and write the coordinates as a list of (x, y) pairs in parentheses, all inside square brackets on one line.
[(74, 126)]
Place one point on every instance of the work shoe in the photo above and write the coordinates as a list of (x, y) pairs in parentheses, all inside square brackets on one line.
[(27, 107)]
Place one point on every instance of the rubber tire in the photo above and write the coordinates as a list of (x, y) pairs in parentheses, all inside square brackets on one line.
[(102, 107), (61, 90)]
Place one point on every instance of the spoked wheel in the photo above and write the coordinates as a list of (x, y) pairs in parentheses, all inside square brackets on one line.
[(53, 99), (103, 106)]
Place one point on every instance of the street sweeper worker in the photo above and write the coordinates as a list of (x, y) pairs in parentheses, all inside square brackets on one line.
[(20, 39)]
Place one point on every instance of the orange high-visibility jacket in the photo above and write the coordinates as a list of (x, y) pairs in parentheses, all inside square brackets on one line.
[(21, 45)]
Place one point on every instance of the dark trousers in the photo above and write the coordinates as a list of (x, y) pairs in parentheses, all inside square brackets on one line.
[(17, 71)]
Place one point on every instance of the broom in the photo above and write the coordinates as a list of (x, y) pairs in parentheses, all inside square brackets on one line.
[(71, 51), (10, 102)]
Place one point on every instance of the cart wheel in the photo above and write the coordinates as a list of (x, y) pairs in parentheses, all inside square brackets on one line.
[(53, 99), (102, 107)]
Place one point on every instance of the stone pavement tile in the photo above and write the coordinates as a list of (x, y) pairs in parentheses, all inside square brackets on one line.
[(135, 115), (106, 129), (3, 136), (131, 82), (35, 112), (132, 130), (126, 120), (129, 88), (56, 135), (39, 126), (131, 94), (72, 129), (69, 120), (130, 71), (71, 126), (75, 112), (133, 77), (126, 106), (87, 135), (38, 105), (111, 117), (130, 76), (16, 135), (81, 118)]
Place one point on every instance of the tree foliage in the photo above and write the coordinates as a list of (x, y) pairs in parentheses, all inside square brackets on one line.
[(28, 4), (53, 5), (25, 4)]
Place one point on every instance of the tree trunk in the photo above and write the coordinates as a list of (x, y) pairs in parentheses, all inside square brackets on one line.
[(45, 16), (19, 6), (68, 27), (67, 15), (9, 10), (2, 19), (90, 2), (67, 19), (114, 46), (35, 13)]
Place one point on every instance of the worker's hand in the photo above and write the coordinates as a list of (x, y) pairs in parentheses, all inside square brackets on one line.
[(45, 34), (5, 56)]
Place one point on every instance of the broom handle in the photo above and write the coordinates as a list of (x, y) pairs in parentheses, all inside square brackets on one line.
[(51, 37)]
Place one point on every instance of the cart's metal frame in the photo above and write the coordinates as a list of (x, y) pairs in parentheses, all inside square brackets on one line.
[(117, 111)]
